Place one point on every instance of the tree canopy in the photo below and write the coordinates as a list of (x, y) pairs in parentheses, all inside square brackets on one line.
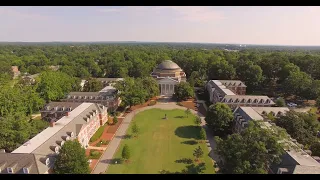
[(183, 91), (219, 118), (250, 152), (303, 127), (92, 85), (71, 159)]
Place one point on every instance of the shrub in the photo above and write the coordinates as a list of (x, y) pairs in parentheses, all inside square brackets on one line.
[(115, 120), (94, 154), (152, 103), (104, 142), (203, 135), (126, 152)]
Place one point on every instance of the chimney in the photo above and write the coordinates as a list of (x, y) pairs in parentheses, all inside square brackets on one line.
[(52, 123), (67, 113)]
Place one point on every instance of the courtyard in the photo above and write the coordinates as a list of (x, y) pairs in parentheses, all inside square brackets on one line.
[(162, 144)]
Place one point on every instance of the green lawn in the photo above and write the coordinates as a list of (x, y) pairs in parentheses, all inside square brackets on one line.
[(98, 133), (160, 143)]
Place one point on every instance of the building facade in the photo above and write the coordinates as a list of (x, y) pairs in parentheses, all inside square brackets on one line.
[(80, 123), (168, 74), (56, 110)]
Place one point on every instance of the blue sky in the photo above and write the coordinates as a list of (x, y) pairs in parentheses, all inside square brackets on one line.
[(243, 24)]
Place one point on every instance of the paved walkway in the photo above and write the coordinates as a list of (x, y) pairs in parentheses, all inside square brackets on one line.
[(97, 148), (107, 156)]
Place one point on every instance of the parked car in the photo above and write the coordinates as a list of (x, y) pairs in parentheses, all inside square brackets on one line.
[(292, 104)]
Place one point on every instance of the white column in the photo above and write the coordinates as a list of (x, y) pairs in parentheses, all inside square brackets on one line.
[(161, 89)]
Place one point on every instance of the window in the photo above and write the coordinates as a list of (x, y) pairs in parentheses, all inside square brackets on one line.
[(62, 143), (249, 101), (47, 162), (56, 150), (10, 170), (25, 170), (72, 134)]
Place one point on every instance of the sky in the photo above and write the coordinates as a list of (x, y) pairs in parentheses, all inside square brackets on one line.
[(272, 25)]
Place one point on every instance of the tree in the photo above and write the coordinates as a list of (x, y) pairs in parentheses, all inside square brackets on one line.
[(131, 91), (55, 85), (126, 152), (318, 102), (71, 159), (187, 112), (151, 86), (115, 119), (135, 129), (197, 120), (298, 84), (250, 73), (221, 69), (301, 126), (92, 85), (280, 102), (183, 91), (203, 135), (219, 118), (286, 70), (250, 152), (198, 153), (315, 149)]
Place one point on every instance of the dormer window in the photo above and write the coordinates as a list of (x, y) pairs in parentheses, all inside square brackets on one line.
[(74, 97), (91, 97), (236, 101), (255, 101), (56, 149), (79, 97), (264, 113), (267, 101), (25, 170), (71, 134), (262, 101), (243, 101), (9, 170), (231, 100), (90, 116), (47, 162), (48, 108), (66, 138), (249, 101), (56, 108)]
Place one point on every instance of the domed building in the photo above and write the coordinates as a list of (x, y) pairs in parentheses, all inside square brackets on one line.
[(168, 74)]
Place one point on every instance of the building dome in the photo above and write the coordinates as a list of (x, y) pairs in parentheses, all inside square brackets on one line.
[(168, 65)]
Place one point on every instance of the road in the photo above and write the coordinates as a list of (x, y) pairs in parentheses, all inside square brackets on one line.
[(107, 156)]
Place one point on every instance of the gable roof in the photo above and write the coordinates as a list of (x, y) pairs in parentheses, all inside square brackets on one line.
[(18, 162), (233, 83), (247, 98)]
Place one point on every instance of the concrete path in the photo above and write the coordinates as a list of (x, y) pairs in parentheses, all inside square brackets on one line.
[(107, 156)]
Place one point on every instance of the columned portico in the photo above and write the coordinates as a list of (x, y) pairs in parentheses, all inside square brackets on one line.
[(166, 86)]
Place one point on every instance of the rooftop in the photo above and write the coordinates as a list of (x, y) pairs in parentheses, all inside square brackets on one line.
[(168, 65), (251, 113), (46, 134)]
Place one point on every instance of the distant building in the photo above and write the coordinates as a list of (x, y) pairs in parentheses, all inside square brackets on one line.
[(30, 79), (107, 97), (242, 115), (232, 93), (168, 74), (54, 68), (15, 71), (56, 110), (39, 153)]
